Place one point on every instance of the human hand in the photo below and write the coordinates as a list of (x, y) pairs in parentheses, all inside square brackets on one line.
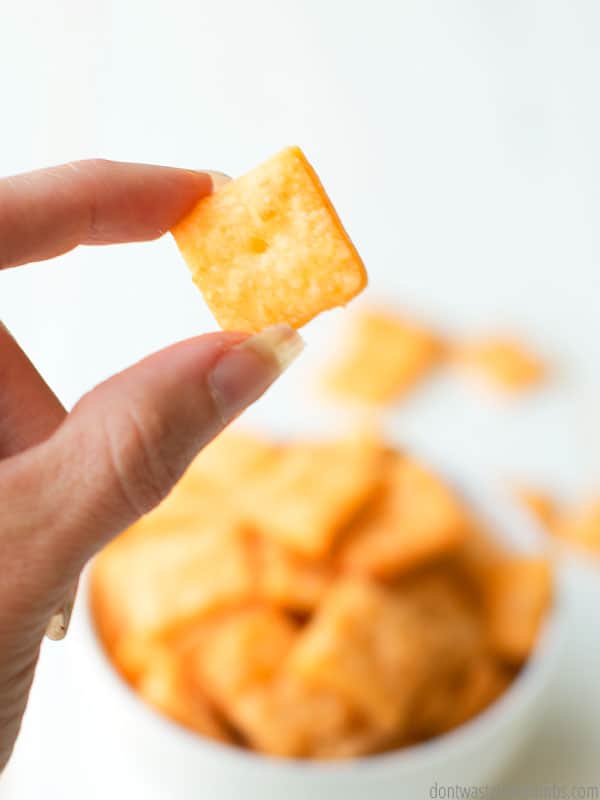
[(70, 482)]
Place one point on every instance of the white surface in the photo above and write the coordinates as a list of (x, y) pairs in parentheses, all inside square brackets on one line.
[(460, 144)]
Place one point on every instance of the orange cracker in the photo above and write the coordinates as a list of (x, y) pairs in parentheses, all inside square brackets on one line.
[(582, 526), (163, 686), (185, 506), (503, 363), (150, 580), (288, 579), (364, 643), (305, 496), (291, 718), (451, 626), (228, 461), (485, 681), (451, 700), (540, 504), (384, 357), (475, 556), (270, 248), (416, 518), (517, 594), (244, 651), (243, 668)]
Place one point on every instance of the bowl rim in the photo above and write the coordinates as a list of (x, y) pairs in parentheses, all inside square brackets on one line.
[(527, 685)]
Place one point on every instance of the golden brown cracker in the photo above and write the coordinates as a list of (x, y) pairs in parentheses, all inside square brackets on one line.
[(311, 491), (363, 643), (502, 362), (518, 592), (269, 247), (416, 519), (385, 356)]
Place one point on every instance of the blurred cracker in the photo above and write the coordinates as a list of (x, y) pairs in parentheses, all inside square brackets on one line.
[(307, 495), (153, 579), (540, 504), (517, 594), (163, 685), (288, 579), (503, 363), (365, 644), (384, 357), (581, 526), (416, 518)]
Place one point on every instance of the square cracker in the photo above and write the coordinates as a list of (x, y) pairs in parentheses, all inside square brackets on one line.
[(288, 579), (244, 651), (385, 356), (449, 702), (230, 459), (305, 497), (270, 248), (150, 580), (502, 362), (364, 643), (242, 667), (517, 593), (414, 519), (294, 719), (163, 685), (581, 526)]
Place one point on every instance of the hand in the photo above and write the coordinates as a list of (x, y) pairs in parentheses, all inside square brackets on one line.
[(69, 482)]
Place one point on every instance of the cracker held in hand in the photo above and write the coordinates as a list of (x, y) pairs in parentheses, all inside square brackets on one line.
[(269, 248)]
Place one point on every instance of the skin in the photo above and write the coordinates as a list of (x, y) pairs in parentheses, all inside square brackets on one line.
[(70, 482)]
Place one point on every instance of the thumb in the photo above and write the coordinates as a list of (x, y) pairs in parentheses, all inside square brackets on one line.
[(125, 445)]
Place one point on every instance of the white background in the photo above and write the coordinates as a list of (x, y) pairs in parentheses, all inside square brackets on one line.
[(461, 144)]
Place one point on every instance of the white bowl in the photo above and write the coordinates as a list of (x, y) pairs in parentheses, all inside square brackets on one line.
[(163, 759)]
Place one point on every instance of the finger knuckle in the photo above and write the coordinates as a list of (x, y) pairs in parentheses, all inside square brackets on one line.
[(142, 473)]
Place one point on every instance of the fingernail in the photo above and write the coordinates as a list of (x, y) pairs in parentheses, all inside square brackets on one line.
[(279, 343), (244, 372), (218, 179), (59, 623)]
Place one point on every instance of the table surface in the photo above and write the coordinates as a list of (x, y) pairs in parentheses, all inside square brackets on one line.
[(459, 142)]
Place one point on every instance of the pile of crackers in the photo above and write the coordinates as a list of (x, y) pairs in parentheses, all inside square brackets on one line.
[(316, 599)]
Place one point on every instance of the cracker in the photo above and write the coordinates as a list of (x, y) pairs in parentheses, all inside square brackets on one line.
[(150, 580), (475, 556), (162, 685), (540, 504), (269, 247), (518, 592), (241, 667), (581, 527), (364, 643), (503, 363), (415, 519), (451, 625), (291, 718), (452, 699), (186, 506), (384, 358), (287, 579), (230, 459), (485, 682), (311, 491), (243, 652)]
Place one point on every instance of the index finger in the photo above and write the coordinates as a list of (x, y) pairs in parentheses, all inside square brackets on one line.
[(46, 213)]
